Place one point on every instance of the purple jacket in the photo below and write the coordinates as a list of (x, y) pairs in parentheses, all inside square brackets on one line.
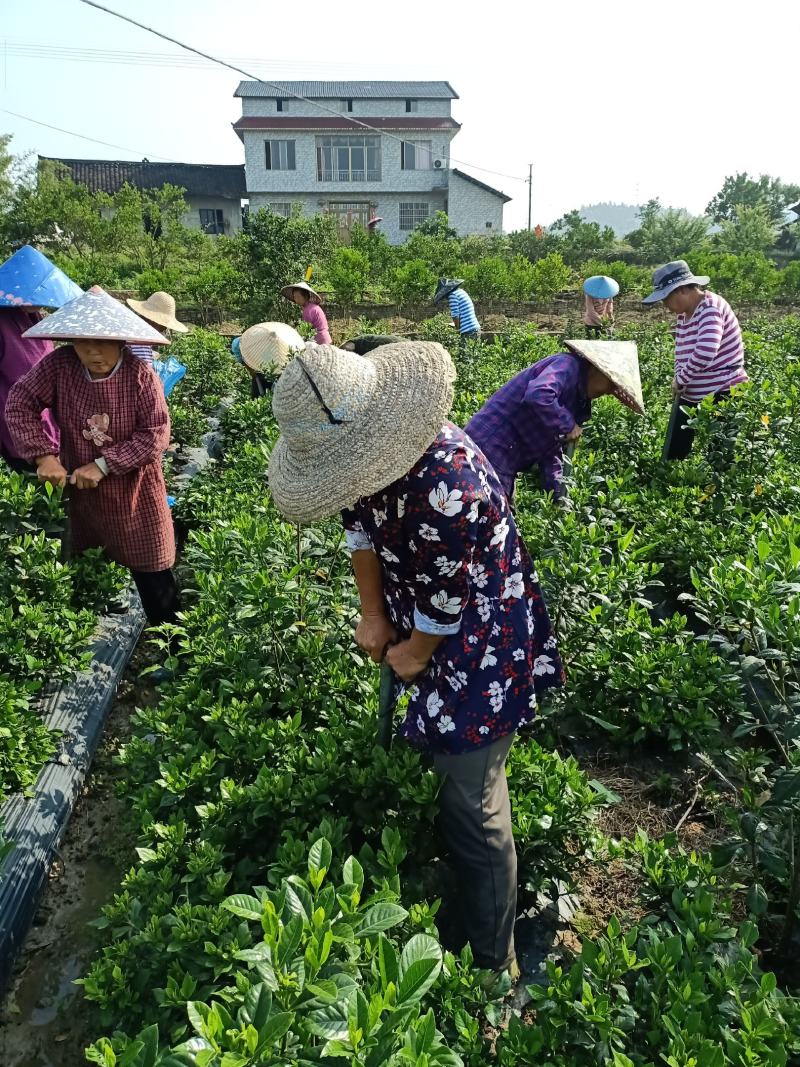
[(524, 424), (17, 357)]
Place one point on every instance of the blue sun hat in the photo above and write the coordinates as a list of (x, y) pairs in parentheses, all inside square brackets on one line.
[(29, 279), (601, 287), (236, 349)]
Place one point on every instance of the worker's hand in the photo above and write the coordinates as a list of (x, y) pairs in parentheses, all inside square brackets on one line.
[(574, 433), (676, 389), (49, 469), (87, 477), (404, 663), (373, 634)]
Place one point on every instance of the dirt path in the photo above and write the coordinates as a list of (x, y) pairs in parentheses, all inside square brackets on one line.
[(43, 1020)]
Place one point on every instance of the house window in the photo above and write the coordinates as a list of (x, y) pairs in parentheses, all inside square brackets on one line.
[(279, 155), (345, 105), (488, 225), (416, 155), (348, 159), (212, 220), (281, 209), (412, 106), (282, 105), (413, 213)]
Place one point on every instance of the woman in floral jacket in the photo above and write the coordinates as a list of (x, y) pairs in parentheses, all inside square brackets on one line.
[(449, 595)]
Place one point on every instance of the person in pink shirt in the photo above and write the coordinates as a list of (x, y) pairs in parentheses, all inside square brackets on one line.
[(598, 313), (304, 296)]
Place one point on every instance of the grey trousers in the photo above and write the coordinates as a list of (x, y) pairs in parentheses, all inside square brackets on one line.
[(476, 823)]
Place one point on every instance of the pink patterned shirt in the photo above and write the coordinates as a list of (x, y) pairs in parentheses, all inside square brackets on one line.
[(709, 352)]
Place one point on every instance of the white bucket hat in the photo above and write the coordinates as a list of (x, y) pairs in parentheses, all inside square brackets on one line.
[(267, 347), (619, 361), (160, 308), (351, 425), (96, 316)]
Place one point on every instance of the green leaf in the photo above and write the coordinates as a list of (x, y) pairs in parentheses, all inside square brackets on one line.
[(420, 964), (787, 785), (257, 1005), (330, 1022), (379, 917), (757, 901), (388, 963), (149, 1040), (320, 856), (246, 907), (274, 1030), (353, 873)]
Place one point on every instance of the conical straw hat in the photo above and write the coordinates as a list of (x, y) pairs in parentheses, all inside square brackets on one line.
[(351, 425), (304, 287), (619, 361), (29, 279), (96, 316), (268, 346), (159, 307)]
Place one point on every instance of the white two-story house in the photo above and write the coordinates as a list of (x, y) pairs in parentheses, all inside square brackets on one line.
[(358, 149)]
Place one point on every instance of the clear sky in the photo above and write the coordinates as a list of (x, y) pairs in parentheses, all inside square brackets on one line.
[(619, 101)]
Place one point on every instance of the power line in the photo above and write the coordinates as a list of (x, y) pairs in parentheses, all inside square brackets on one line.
[(282, 89), (83, 136)]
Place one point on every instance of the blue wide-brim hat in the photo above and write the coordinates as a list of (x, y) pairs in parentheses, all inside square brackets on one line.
[(601, 287), (672, 276), (29, 279)]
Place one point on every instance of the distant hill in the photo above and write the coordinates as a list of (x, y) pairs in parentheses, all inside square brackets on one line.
[(622, 218)]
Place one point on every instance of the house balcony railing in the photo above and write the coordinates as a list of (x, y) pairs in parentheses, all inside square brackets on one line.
[(326, 175)]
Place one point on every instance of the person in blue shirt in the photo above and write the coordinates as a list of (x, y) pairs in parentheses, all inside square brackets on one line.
[(461, 307)]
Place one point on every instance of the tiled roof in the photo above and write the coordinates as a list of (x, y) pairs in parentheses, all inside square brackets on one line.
[(481, 185), (198, 179), (347, 90), (330, 122)]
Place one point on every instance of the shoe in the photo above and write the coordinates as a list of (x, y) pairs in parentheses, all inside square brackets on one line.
[(499, 983), (159, 676)]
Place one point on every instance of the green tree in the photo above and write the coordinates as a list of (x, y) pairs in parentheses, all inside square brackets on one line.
[(272, 251), (578, 239), (750, 230), (667, 233), (348, 275), (746, 278), (551, 275), (7, 161), (487, 279), (412, 283), (740, 190), (437, 225)]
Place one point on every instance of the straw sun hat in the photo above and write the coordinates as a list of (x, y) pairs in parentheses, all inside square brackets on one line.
[(304, 287), (267, 347), (619, 361), (160, 308), (351, 425)]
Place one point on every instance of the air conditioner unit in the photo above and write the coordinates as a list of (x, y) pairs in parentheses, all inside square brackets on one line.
[(438, 164)]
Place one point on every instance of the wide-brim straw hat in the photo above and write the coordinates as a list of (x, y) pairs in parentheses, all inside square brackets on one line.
[(445, 287), (267, 347), (304, 287), (672, 276), (601, 287), (619, 361), (351, 425), (29, 279), (160, 308), (96, 316), (375, 220)]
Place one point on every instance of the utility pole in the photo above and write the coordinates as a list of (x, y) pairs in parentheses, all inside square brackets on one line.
[(530, 192)]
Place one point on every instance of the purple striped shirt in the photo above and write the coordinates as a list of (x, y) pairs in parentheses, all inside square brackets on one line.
[(709, 353)]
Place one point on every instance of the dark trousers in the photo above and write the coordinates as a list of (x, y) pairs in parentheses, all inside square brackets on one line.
[(159, 595), (682, 437), (475, 815)]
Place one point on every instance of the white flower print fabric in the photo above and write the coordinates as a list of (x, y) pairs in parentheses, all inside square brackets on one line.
[(452, 561)]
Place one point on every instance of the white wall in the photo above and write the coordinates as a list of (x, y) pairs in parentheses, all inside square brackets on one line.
[(470, 208), (304, 177), (253, 105), (385, 204)]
